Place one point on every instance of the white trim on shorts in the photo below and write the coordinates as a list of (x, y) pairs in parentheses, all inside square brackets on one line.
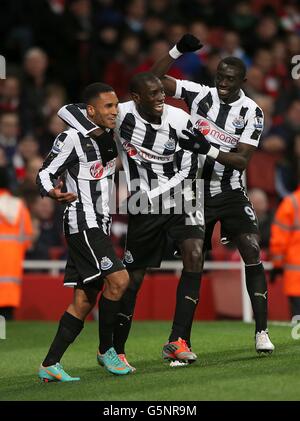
[(95, 258)]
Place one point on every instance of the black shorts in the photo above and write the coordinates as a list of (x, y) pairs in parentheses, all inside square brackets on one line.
[(147, 237), (235, 212), (91, 257)]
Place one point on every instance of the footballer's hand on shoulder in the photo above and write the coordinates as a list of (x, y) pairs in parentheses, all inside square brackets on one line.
[(194, 142)]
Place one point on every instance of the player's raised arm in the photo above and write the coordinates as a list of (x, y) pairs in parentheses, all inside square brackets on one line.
[(188, 43)]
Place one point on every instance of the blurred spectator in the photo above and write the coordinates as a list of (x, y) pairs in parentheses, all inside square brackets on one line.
[(288, 125), (27, 150), (34, 90), (285, 248), (260, 202), (28, 187), (255, 82), (9, 132), (48, 231), (135, 15), (10, 171), (157, 50), (208, 70), (231, 46), (153, 29), (15, 237), (10, 94), (288, 169), (119, 71), (53, 127), (55, 98)]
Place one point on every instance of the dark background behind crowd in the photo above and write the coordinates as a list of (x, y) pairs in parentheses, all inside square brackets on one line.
[(53, 48)]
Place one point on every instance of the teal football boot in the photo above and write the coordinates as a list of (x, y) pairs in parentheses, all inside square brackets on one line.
[(55, 373)]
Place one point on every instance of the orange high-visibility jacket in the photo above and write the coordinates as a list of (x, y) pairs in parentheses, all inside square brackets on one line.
[(15, 236), (285, 242)]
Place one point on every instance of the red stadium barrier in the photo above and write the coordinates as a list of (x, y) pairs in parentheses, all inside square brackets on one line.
[(44, 298)]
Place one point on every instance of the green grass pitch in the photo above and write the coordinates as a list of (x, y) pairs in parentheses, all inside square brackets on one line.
[(228, 367)]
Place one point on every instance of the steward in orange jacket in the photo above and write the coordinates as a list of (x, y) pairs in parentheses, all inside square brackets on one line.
[(285, 247), (15, 236)]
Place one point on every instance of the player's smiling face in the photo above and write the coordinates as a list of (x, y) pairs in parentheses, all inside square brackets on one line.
[(150, 100), (103, 110), (228, 82)]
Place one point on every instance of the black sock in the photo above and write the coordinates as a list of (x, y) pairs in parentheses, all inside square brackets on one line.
[(186, 302), (124, 320), (108, 311), (257, 290), (68, 329)]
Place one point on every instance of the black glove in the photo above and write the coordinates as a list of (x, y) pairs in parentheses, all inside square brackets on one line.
[(188, 43), (195, 142), (139, 203), (107, 147), (274, 273)]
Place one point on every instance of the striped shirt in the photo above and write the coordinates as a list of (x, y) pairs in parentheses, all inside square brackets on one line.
[(151, 157), (224, 126), (78, 159)]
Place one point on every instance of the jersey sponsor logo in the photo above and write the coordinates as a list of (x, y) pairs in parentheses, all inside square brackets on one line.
[(96, 170), (258, 122), (57, 146), (128, 257), (170, 145), (203, 127), (129, 148), (106, 263), (209, 129), (239, 122)]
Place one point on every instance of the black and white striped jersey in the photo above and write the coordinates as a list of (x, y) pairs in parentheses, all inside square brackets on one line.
[(151, 157), (224, 126), (78, 160)]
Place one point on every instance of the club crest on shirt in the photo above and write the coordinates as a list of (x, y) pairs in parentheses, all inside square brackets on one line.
[(106, 263), (57, 146), (128, 257), (258, 122), (96, 170), (239, 122), (170, 144)]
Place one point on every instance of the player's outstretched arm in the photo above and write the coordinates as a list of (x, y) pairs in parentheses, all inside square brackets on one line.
[(188, 43)]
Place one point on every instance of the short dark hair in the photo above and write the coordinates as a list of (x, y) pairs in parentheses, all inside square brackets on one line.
[(93, 90), (236, 62), (139, 79)]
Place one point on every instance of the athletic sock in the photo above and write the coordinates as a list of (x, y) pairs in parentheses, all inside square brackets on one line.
[(257, 290), (186, 302), (108, 311), (68, 329), (124, 320)]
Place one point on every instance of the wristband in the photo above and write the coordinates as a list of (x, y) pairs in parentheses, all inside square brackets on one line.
[(174, 53), (213, 152)]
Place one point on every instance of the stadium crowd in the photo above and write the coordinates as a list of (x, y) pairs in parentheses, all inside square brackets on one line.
[(53, 48)]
